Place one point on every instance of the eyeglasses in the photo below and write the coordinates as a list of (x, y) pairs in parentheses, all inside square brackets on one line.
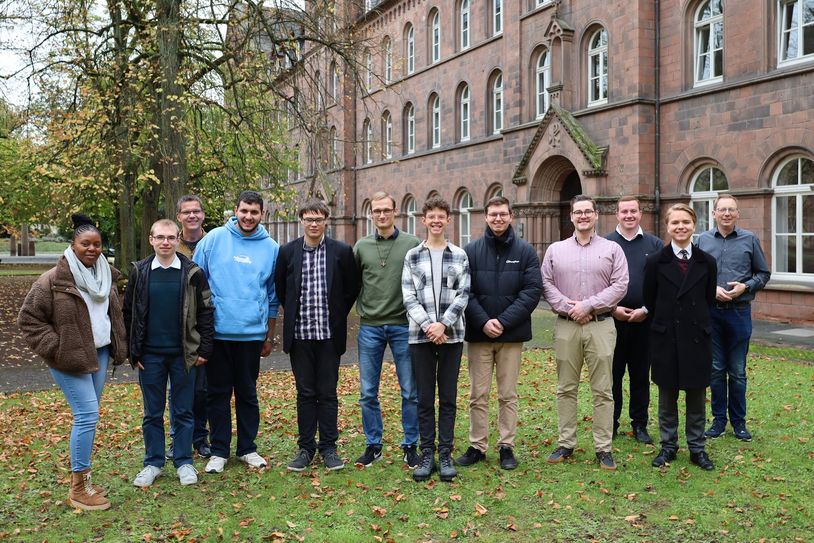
[(583, 213), (313, 220), (500, 215), (191, 212), (162, 239), (382, 211), (725, 210)]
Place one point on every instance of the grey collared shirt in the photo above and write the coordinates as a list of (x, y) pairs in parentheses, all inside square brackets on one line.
[(739, 258)]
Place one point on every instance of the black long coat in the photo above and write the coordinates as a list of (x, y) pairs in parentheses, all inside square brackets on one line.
[(342, 281), (680, 330)]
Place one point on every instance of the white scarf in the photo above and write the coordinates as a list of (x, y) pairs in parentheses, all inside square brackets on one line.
[(95, 281)]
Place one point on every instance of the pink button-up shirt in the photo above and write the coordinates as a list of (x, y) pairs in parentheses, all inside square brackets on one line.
[(594, 273)]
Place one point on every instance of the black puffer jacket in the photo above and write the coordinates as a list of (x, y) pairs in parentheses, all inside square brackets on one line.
[(506, 285), (197, 312)]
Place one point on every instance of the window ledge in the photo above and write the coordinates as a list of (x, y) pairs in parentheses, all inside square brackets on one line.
[(796, 282)]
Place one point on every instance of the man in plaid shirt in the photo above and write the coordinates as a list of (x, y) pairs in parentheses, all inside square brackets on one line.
[(435, 285)]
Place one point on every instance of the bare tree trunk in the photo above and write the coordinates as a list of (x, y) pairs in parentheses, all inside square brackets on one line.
[(172, 145)]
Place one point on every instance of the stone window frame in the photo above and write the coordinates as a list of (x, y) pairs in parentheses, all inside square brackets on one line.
[(497, 102), (797, 193), (463, 24), (434, 36), (335, 84), (387, 135), (597, 54), (434, 120), (319, 101), (536, 73), (780, 7), (367, 141), (702, 199), (409, 125), (368, 217), (409, 48), (368, 54), (334, 142), (495, 17), (463, 112), (387, 60), (409, 208), (466, 203), (698, 26)]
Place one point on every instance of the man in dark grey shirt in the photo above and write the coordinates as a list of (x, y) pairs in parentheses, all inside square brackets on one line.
[(742, 271)]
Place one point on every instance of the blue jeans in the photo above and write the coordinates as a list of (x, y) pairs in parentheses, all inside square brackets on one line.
[(372, 342), (731, 330), (153, 381), (83, 392)]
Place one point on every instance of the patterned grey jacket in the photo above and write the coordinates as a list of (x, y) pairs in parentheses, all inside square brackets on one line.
[(419, 297)]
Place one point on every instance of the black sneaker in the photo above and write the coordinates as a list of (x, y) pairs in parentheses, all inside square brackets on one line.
[(411, 457), (663, 458), (301, 461), (203, 448), (332, 460), (716, 430), (426, 466), (371, 454), (560, 454), (701, 459), (606, 460), (170, 452), (742, 433), (446, 469), (507, 459), (470, 457)]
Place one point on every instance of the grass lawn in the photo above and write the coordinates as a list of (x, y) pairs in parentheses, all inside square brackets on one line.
[(51, 246), (759, 491)]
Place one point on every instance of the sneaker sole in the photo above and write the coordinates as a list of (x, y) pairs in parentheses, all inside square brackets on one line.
[(213, 470), (187, 483), (363, 465), (254, 467), (335, 468), (607, 468), (447, 479), (296, 470), (559, 460), (508, 468), (86, 507)]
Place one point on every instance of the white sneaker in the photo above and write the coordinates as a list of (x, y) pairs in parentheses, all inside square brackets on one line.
[(215, 464), (253, 460), (147, 476), (187, 474)]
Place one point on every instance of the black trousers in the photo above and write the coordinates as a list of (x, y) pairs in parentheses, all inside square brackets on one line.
[(631, 353), (199, 407), (315, 364), (233, 368), (694, 423), (436, 364)]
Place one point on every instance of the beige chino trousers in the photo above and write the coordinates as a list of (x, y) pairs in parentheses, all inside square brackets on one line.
[(504, 360), (591, 344)]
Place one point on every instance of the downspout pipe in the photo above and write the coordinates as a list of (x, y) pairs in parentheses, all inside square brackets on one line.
[(657, 142)]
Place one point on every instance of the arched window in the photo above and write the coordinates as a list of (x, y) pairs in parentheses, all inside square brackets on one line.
[(334, 83), (796, 29), (409, 48), (367, 130), (542, 82), (435, 121), (367, 213), (598, 67), (705, 186), (368, 70), (497, 17), (409, 129), (463, 22), (793, 217), (465, 206), (497, 103), (318, 90), (334, 148), (387, 51), (410, 211), (463, 113), (387, 135), (709, 42), (435, 36)]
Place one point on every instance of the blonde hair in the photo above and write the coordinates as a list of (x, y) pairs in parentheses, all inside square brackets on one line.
[(164, 222), (681, 207)]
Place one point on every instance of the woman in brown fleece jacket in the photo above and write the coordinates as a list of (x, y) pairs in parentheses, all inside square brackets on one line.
[(72, 318)]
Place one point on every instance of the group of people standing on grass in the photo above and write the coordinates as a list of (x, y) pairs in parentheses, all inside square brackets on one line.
[(201, 312)]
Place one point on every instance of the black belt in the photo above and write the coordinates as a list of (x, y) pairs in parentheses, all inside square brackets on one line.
[(597, 318), (731, 305)]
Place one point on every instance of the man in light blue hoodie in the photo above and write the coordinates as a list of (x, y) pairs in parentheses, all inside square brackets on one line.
[(239, 260)]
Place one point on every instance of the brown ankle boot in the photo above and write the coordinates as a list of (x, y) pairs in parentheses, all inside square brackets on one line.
[(83, 495)]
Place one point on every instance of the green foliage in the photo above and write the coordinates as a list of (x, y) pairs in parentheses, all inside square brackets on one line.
[(758, 490)]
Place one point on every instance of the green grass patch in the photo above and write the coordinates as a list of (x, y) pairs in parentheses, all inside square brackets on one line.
[(758, 490), (12, 272), (51, 246)]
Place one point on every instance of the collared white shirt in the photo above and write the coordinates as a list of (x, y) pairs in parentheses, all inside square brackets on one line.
[(176, 263), (640, 232), (677, 249)]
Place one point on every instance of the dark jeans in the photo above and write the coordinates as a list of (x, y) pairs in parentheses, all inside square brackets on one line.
[(153, 381), (200, 433), (694, 419), (436, 364), (315, 364), (233, 368), (631, 353), (731, 331)]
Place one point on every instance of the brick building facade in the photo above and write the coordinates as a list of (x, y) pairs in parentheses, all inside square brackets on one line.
[(540, 100)]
